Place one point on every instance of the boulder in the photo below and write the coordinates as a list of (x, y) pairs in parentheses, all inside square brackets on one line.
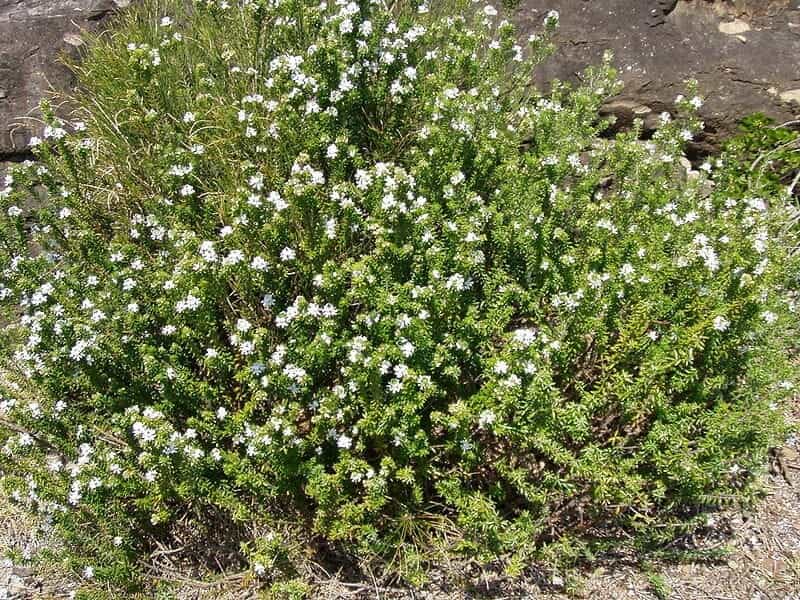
[(33, 34), (744, 55)]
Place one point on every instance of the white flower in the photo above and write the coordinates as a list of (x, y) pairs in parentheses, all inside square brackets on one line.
[(187, 190), (451, 93), (191, 302), (243, 325), (166, 21), (721, 323), (769, 317), (524, 337), (278, 202), (295, 373), (626, 271), (222, 412), (487, 417), (457, 178), (259, 264), (489, 10), (207, 251), (234, 257), (180, 170), (455, 282), (596, 279), (332, 151), (288, 254), (344, 441), (88, 572)]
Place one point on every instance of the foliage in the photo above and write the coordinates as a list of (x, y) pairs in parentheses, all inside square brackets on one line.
[(340, 264), (765, 153)]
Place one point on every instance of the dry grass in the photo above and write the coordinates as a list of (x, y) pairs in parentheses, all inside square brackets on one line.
[(763, 564)]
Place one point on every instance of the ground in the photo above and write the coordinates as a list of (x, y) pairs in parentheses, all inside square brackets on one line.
[(763, 563)]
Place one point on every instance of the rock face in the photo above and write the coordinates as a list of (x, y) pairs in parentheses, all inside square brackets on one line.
[(33, 33), (744, 54)]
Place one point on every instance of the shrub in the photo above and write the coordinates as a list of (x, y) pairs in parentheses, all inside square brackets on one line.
[(342, 265), (766, 152)]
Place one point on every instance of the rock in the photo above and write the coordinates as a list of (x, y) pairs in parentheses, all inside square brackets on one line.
[(791, 96), (626, 111), (658, 45), (33, 33), (655, 61), (73, 39), (734, 27)]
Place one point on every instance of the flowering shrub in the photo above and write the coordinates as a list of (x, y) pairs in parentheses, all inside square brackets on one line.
[(341, 264)]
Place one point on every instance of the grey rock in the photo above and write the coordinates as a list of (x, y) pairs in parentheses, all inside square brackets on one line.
[(654, 61), (657, 44), (33, 34)]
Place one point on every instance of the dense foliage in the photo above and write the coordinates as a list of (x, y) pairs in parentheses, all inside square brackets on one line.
[(340, 264), (766, 152)]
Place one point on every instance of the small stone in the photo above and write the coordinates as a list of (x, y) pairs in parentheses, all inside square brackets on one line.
[(734, 27), (791, 96), (73, 39)]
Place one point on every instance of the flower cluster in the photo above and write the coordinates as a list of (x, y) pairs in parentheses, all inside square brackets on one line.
[(340, 258)]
